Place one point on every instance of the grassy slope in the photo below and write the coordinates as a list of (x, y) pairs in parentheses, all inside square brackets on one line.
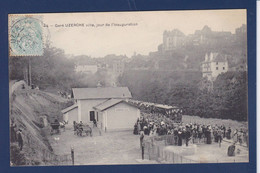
[(26, 107)]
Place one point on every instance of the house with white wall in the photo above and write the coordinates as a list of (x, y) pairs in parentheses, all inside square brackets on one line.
[(117, 114), (213, 65), (70, 114), (90, 69), (107, 105)]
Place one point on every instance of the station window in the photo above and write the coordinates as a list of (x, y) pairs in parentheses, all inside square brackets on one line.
[(216, 68)]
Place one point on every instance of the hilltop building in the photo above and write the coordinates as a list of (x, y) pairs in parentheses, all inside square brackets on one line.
[(176, 39), (118, 67), (90, 69), (213, 65), (206, 36), (172, 39)]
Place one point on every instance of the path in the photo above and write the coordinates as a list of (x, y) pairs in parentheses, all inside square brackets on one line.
[(109, 148)]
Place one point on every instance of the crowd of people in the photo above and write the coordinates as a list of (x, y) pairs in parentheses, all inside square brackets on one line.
[(159, 125)]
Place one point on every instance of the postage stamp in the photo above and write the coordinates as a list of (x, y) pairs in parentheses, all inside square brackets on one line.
[(25, 35), (150, 87)]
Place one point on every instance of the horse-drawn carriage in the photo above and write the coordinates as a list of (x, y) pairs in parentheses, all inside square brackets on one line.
[(55, 127), (81, 129)]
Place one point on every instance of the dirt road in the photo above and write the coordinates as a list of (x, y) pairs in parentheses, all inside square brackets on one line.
[(109, 148)]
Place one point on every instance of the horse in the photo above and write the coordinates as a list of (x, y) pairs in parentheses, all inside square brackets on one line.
[(81, 129), (88, 130)]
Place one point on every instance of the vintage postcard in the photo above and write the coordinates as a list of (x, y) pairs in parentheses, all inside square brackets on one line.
[(119, 88)]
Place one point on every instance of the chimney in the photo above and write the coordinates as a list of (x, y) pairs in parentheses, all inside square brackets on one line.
[(211, 56), (206, 57)]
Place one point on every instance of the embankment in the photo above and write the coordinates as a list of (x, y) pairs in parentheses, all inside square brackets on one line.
[(30, 109)]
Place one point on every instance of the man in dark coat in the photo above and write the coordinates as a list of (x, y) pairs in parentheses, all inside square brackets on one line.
[(187, 136), (175, 136), (142, 150), (135, 129), (94, 123), (13, 131), (224, 131), (229, 133), (179, 138), (219, 137), (20, 139), (208, 135), (74, 125), (141, 138)]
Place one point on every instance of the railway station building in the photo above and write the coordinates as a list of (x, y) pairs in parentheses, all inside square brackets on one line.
[(107, 105)]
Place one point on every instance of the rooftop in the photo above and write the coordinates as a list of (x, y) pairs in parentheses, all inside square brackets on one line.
[(109, 103), (69, 108), (214, 57), (102, 93)]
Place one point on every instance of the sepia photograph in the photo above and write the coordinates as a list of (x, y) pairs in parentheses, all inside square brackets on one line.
[(128, 88)]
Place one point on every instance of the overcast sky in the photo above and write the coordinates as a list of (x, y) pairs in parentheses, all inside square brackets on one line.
[(142, 38)]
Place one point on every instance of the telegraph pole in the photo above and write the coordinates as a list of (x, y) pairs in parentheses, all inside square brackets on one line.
[(30, 72)]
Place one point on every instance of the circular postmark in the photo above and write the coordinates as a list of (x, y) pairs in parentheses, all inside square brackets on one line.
[(25, 36)]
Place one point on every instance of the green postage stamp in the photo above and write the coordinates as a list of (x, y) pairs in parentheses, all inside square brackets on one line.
[(25, 35)]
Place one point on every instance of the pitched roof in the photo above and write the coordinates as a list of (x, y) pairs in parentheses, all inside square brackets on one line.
[(214, 57), (101, 93), (69, 108), (219, 58), (174, 32), (110, 103)]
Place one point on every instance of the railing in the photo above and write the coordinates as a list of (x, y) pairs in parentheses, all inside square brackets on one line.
[(155, 151)]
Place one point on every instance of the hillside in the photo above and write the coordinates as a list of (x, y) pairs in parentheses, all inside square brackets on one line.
[(227, 99), (28, 109)]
